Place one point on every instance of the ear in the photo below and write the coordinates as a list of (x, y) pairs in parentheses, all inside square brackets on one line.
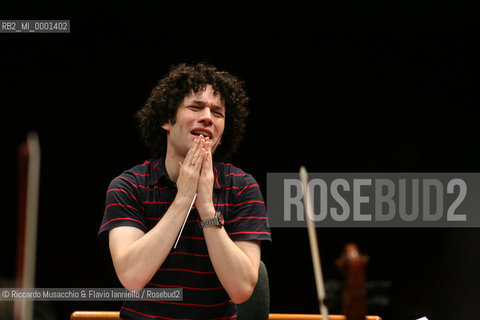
[(166, 126)]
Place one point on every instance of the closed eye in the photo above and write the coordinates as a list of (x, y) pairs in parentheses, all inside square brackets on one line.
[(218, 113)]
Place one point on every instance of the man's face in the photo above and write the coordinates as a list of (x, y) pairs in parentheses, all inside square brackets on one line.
[(201, 112)]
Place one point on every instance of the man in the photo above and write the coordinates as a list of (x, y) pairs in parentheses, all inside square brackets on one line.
[(194, 112)]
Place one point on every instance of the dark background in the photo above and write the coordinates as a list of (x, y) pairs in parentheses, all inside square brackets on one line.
[(342, 87)]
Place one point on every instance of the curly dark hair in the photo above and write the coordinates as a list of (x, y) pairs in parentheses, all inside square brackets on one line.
[(167, 95)]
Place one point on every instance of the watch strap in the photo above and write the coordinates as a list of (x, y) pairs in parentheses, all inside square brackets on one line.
[(217, 220)]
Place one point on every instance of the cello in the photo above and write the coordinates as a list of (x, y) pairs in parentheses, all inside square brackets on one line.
[(354, 294)]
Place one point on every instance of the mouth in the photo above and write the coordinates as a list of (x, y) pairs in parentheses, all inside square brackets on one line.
[(206, 133)]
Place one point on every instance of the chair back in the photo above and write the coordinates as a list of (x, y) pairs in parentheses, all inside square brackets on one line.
[(258, 306)]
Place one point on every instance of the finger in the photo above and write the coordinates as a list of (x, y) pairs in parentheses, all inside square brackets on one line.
[(208, 144), (197, 158), (191, 152), (207, 161)]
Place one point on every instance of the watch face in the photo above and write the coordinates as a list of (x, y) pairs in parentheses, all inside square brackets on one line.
[(220, 218)]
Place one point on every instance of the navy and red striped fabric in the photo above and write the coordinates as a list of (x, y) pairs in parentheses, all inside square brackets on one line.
[(140, 196)]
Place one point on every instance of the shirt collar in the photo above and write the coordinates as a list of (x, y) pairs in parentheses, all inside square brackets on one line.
[(158, 174)]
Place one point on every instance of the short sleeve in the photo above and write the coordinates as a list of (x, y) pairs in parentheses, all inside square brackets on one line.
[(123, 206), (248, 219)]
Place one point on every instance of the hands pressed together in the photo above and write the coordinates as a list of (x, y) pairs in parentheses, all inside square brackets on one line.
[(196, 176)]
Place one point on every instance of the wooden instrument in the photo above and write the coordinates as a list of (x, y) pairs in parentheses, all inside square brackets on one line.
[(354, 295)]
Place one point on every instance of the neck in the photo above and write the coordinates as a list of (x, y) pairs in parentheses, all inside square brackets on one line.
[(172, 164)]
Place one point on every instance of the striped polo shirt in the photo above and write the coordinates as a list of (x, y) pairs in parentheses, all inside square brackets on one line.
[(140, 196)]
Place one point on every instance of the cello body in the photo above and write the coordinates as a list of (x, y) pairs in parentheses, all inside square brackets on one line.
[(354, 294)]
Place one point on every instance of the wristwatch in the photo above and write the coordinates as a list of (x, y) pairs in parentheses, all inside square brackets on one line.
[(211, 222)]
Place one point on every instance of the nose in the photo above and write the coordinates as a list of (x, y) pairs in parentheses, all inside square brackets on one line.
[(206, 117)]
